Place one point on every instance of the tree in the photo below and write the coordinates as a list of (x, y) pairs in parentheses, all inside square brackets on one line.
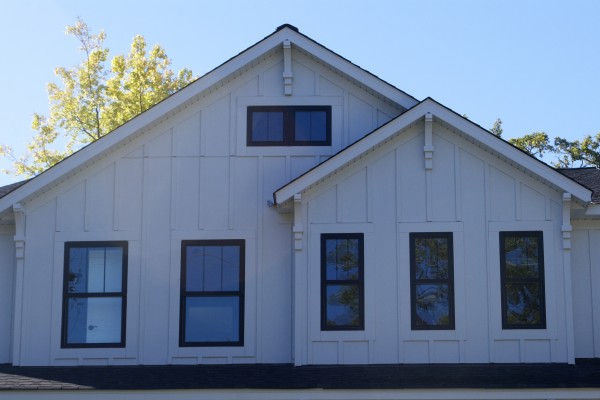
[(567, 153), (94, 99), (497, 128), (537, 144), (578, 153)]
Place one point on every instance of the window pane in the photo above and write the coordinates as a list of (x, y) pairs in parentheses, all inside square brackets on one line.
[(231, 268), (310, 126), (114, 270), (194, 277), (342, 305), (212, 319), (432, 307), (78, 273), (212, 268), (342, 259), (431, 258), (95, 269), (94, 320), (213, 262), (522, 253), (267, 126), (523, 303)]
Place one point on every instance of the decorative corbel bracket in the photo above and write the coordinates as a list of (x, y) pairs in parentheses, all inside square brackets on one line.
[(298, 229), (288, 77), (566, 221), (428, 148), (19, 238)]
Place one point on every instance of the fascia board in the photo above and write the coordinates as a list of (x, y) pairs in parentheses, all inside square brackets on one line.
[(353, 70), (151, 116), (167, 106), (428, 105), (510, 152), (347, 155), (143, 120)]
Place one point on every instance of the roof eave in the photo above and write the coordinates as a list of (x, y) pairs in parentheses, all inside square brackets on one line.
[(508, 151), (167, 107)]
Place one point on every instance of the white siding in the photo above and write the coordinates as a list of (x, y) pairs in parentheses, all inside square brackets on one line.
[(190, 177), (7, 279), (389, 194), (586, 288)]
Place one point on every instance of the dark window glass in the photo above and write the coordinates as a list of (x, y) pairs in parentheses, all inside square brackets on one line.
[(522, 280), (212, 293), (432, 280), (267, 126), (310, 126), (94, 294), (289, 126), (342, 282)]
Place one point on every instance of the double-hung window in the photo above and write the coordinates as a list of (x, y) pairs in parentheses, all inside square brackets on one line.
[(432, 280), (342, 281), (94, 294), (522, 280), (289, 126), (212, 293)]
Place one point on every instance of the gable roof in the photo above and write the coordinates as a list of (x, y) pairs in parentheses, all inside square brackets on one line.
[(586, 176), (194, 91), (4, 190), (472, 131)]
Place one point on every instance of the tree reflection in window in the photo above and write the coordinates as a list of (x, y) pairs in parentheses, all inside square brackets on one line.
[(342, 281), (432, 281), (522, 276)]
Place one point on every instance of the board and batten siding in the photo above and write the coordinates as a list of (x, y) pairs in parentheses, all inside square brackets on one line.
[(586, 288), (7, 283), (387, 194), (190, 177)]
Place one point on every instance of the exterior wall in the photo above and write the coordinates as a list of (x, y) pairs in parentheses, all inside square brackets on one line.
[(188, 178), (7, 283), (388, 194), (586, 288)]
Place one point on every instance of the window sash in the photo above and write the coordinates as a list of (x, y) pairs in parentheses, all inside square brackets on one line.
[(356, 286), (92, 305), (534, 318), (427, 305), (289, 125), (192, 332)]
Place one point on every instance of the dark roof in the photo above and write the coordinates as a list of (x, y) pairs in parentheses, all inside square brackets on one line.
[(4, 190), (586, 176), (585, 374)]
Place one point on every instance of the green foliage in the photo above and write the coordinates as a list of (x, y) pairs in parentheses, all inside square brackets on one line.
[(566, 153), (578, 153), (537, 144), (93, 99), (497, 128)]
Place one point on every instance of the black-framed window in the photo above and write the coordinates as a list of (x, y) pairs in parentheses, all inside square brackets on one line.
[(522, 280), (289, 126), (212, 293), (342, 281), (432, 280), (94, 294)]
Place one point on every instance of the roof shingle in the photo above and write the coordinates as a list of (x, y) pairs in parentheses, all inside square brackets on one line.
[(586, 176), (286, 376)]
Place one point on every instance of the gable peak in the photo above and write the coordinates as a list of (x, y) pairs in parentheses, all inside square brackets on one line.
[(289, 26)]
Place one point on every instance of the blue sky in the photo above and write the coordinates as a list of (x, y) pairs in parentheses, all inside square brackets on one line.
[(535, 64)]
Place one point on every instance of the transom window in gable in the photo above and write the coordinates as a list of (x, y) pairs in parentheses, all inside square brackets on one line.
[(289, 126)]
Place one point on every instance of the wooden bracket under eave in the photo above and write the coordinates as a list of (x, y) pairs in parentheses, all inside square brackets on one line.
[(428, 148), (288, 77)]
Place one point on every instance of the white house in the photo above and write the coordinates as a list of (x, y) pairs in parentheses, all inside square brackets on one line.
[(291, 208)]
